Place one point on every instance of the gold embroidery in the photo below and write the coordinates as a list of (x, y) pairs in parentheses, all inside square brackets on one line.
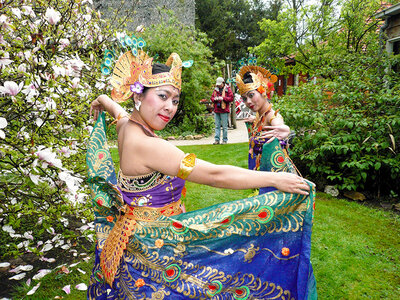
[(187, 165), (124, 227)]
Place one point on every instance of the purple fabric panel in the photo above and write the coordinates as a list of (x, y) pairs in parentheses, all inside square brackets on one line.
[(161, 195)]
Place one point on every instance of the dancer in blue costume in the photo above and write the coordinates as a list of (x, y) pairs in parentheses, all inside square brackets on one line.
[(254, 85), (147, 247)]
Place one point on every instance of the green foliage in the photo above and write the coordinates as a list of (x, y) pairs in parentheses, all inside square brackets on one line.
[(172, 36), (348, 131), (232, 25), (53, 50)]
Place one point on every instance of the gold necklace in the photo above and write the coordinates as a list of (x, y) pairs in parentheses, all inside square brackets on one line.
[(259, 119)]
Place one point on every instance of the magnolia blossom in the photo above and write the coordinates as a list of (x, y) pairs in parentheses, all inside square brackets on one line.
[(17, 12), (27, 10), (75, 83), (64, 43), (52, 16), (18, 277), (11, 88), (50, 103), (81, 287), (41, 274), (72, 182), (32, 291), (49, 157), (4, 24), (5, 61), (67, 289), (140, 28), (3, 124)]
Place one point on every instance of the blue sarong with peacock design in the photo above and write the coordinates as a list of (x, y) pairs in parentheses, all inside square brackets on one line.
[(253, 248)]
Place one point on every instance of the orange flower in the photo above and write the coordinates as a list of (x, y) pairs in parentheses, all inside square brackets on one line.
[(110, 218), (159, 243), (261, 90), (140, 282), (285, 251)]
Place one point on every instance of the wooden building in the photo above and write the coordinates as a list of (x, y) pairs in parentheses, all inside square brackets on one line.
[(391, 28)]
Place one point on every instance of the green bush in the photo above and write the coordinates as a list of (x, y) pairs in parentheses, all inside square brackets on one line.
[(348, 128)]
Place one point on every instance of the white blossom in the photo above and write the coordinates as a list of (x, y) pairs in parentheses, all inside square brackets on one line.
[(5, 60), (32, 291), (11, 88), (67, 289), (41, 274), (81, 287), (52, 16), (3, 124), (17, 12), (18, 277), (27, 10)]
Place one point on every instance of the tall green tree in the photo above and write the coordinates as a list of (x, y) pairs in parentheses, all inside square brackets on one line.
[(172, 36), (233, 25)]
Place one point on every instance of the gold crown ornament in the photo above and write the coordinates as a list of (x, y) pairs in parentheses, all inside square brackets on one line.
[(260, 77), (133, 69)]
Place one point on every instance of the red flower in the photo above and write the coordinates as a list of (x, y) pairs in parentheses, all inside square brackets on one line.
[(140, 282)]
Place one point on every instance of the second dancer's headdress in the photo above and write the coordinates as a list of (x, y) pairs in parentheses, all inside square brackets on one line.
[(260, 77)]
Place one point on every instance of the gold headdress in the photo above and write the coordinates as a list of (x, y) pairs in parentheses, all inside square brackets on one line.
[(260, 77), (131, 69)]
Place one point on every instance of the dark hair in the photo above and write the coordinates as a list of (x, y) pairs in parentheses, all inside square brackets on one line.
[(156, 69), (247, 78)]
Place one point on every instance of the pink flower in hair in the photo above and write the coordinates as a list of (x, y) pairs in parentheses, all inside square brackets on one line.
[(137, 87)]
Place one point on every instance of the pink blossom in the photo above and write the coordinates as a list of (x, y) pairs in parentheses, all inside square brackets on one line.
[(52, 16), (64, 43), (4, 22), (32, 291), (11, 88), (81, 287), (140, 28), (75, 82), (67, 289), (16, 12), (27, 10), (5, 61)]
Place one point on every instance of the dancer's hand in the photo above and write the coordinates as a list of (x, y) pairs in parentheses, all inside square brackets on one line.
[(279, 132), (291, 183), (96, 108)]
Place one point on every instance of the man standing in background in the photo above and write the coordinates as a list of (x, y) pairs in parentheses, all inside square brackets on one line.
[(222, 96)]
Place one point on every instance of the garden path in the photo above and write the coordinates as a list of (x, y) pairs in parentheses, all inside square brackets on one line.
[(237, 135)]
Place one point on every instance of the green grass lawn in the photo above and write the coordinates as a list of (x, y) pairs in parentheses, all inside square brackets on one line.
[(355, 249)]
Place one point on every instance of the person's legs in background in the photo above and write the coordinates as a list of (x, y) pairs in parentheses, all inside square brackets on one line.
[(217, 127), (224, 120)]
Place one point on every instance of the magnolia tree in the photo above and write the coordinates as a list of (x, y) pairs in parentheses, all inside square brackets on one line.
[(50, 55)]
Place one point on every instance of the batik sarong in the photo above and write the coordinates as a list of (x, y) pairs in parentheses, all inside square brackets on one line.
[(253, 248)]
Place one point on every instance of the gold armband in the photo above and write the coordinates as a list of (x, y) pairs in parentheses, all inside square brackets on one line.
[(187, 165), (275, 116)]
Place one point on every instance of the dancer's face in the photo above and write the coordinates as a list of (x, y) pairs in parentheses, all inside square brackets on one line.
[(254, 100), (159, 105)]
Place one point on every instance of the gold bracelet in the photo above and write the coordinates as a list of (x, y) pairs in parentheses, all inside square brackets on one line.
[(187, 165), (120, 116)]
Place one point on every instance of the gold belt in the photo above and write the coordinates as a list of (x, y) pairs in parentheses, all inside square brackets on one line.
[(124, 227)]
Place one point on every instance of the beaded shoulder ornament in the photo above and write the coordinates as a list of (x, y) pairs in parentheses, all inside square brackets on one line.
[(133, 69), (260, 77)]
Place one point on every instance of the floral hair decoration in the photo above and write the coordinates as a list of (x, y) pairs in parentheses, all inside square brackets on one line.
[(133, 70), (260, 77)]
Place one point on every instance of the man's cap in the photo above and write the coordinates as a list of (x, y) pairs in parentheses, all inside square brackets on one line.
[(220, 81)]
